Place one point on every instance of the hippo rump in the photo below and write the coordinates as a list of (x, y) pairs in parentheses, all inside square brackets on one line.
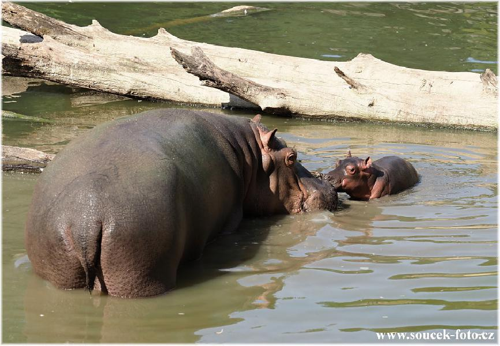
[(363, 179), (124, 204)]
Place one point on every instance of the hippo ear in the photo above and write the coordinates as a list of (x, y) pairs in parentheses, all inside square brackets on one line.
[(367, 163), (256, 119), (267, 138), (349, 153)]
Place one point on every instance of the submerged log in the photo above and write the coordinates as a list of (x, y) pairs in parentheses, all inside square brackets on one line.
[(7, 115), (24, 159), (236, 11), (364, 88)]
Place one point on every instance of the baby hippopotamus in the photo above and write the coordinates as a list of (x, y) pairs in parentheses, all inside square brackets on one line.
[(363, 179)]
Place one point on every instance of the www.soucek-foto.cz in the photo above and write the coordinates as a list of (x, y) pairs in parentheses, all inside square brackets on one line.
[(443, 335)]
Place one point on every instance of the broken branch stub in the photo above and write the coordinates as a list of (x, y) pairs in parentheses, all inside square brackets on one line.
[(211, 75), (352, 83)]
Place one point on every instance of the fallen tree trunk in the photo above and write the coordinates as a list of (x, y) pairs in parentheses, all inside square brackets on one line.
[(364, 88), (24, 159)]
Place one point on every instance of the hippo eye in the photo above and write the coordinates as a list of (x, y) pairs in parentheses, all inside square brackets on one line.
[(290, 158), (350, 169)]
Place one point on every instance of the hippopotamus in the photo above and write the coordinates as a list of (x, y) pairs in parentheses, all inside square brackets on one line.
[(363, 179), (122, 206)]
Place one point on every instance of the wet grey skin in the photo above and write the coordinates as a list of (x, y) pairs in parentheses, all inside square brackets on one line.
[(124, 204)]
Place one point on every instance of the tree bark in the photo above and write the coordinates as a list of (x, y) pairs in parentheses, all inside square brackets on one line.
[(364, 88)]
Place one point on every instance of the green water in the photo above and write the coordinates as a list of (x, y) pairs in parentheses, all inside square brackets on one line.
[(423, 260)]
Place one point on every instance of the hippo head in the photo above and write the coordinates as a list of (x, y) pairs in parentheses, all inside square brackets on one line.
[(351, 175), (283, 185)]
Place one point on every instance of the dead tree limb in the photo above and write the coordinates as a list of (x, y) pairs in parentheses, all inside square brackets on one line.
[(364, 88), (200, 65), (351, 82)]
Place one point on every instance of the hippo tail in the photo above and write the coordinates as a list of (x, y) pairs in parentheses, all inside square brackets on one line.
[(88, 246)]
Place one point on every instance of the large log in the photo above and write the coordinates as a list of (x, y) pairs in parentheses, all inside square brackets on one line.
[(364, 88)]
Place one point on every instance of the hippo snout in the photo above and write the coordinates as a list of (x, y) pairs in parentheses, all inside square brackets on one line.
[(322, 196)]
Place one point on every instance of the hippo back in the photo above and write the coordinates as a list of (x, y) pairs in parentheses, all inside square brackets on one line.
[(131, 199), (400, 173)]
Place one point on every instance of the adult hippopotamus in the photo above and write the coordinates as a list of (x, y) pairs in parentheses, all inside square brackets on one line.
[(363, 179), (123, 205)]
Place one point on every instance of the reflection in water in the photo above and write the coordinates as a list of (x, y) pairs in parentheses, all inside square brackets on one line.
[(446, 305), (434, 327)]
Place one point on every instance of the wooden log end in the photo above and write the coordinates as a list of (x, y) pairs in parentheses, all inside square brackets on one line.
[(24, 159)]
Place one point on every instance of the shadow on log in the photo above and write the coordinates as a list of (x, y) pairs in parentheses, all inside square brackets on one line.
[(364, 88)]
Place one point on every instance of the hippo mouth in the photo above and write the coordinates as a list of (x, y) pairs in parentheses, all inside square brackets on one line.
[(324, 198), (317, 193)]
